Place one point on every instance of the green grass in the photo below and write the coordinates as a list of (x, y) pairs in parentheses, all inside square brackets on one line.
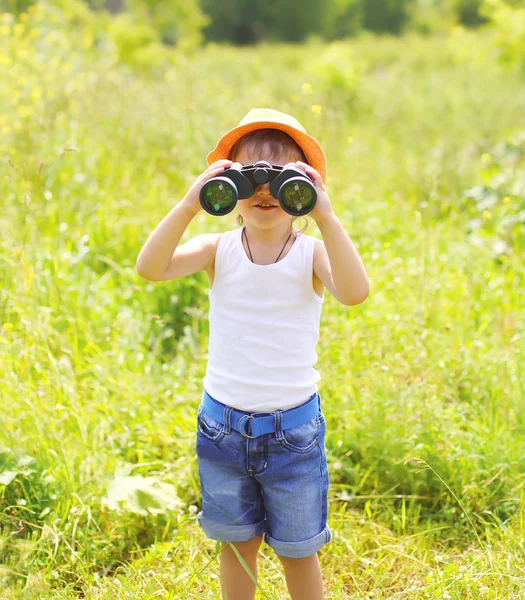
[(102, 370)]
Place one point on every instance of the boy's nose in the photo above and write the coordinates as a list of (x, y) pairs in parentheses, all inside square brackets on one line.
[(263, 189)]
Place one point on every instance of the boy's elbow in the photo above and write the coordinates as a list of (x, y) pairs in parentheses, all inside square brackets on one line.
[(359, 295), (144, 273)]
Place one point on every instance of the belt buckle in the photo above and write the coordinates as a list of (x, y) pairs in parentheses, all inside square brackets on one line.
[(241, 428)]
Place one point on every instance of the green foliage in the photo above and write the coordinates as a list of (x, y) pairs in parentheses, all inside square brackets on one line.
[(101, 368), (140, 495), (385, 16), (508, 24), (503, 41), (177, 22), (130, 35), (469, 12), (497, 203), (15, 6), (341, 18), (431, 16), (245, 22)]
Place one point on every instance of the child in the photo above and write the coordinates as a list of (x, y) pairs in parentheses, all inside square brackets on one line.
[(261, 430)]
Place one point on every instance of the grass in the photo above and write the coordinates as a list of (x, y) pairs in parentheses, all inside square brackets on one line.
[(102, 371)]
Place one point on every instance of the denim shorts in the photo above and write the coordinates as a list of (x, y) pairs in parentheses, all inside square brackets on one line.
[(274, 485)]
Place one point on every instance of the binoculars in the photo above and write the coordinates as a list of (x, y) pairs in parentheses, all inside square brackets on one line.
[(289, 184)]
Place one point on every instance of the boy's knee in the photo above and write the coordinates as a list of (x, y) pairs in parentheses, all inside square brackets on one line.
[(249, 547)]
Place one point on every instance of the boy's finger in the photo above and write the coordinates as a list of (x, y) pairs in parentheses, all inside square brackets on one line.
[(220, 162)]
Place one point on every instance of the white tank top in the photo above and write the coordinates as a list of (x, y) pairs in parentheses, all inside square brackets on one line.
[(264, 328)]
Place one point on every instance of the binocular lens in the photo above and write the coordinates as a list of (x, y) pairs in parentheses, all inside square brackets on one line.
[(219, 197), (299, 197)]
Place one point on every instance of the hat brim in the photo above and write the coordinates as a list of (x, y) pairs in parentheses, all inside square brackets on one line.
[(311, 148)]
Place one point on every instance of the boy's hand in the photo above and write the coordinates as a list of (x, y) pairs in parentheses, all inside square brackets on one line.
[(191, 199), (323, 207)]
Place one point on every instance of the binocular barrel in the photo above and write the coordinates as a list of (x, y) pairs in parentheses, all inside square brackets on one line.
[(289, 184)]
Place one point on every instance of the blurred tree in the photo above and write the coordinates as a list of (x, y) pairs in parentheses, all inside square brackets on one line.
[(341, 18), (247, 22), (386, 16), (432, 16), (175, 20), (468, 12), (15, 6), (507, 24), (112, 6)]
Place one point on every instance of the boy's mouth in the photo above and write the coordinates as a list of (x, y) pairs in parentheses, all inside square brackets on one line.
[(265, 206)]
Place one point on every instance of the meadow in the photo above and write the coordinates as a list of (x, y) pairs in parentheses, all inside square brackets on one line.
[(423, 384)]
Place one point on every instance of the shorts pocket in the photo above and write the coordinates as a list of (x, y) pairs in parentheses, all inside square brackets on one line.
[(302, 438), (208, 427)]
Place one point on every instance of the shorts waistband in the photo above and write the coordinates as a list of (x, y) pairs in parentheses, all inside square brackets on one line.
[(252, 424)]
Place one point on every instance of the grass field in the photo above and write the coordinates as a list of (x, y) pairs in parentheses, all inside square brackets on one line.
[(102, 370)]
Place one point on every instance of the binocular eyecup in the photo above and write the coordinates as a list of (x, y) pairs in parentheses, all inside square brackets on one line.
[(289, 184)]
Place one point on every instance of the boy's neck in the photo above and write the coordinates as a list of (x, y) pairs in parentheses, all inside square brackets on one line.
[(272, 235)]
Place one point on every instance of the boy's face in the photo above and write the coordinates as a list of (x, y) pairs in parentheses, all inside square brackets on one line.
[(248, 208)]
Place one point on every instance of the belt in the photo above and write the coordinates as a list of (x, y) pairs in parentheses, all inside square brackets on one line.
[(261, 423)]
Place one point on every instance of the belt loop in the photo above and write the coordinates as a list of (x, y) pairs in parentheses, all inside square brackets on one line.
[(277, 424), (226, 417)]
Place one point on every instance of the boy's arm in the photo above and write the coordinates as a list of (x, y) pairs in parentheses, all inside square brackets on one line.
[(336, 261), (158, 261), (338, 265), (155, 256), (161, 259)]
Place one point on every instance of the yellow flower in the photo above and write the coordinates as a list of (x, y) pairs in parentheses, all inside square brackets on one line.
[(5, 60), (6, 129), (87, 42), (8, 326), (64, 176), (25, 111), (487, 214), (316, 109), (23, 16), (486, 158), (306, 88), (36, 94), (5, 30), (18, 29), (295, 98), (387, 244), (506, 200)]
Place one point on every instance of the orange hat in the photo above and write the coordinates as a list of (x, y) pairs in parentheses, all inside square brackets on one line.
[(267, 118)]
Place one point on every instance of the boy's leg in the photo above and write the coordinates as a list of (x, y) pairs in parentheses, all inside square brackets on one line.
[(236, 584), (303, 577)]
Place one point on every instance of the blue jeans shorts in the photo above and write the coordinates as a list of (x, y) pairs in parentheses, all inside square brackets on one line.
[(274, 485)]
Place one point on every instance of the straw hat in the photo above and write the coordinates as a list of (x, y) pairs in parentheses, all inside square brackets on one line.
[(267, 118)]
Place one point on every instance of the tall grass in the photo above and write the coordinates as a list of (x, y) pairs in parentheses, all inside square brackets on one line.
[(102, 371)]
